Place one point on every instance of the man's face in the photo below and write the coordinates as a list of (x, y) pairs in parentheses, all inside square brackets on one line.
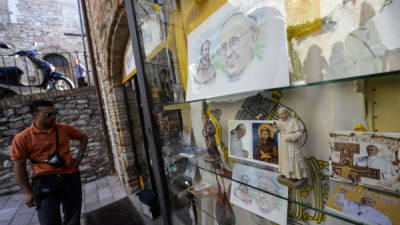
[(265, 134), (205, 51), (368, 202), (238, 40), (283, 115), (45, 116), (240, 133), (204, 118), (245, 179), (372, 151)]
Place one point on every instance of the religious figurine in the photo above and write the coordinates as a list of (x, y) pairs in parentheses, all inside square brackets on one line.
[(291, 162), (212, 148), (210, 136)]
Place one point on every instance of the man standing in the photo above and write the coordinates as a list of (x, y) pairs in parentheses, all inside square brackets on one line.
[(56, 178), (236, 145), (80, 72), (376, 162)]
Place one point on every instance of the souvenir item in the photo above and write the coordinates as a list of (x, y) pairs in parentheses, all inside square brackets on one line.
[(364, 206), (193, 152), (368, 158), (240, 47), (223, 209), (291, 162), (262, 203), (253, 141), (209, 136)]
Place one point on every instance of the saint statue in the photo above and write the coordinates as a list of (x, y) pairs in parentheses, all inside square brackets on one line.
[(209, 136)]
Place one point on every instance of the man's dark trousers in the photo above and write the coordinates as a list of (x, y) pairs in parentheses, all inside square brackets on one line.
[(81, 82), (70, 198)]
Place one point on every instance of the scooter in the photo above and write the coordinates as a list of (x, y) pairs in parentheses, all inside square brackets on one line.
[(10, 77)]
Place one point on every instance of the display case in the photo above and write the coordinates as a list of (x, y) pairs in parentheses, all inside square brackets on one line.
[(214, 77)]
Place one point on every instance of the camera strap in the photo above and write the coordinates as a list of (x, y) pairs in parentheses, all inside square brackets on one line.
[(45, 161)]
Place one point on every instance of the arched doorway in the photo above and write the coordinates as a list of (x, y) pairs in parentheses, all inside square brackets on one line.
[(61, 63)]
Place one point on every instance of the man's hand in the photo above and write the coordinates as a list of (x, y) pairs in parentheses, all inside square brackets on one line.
[(245, 154), (75, 162), (22, 179), (28, 199), (275, 127)]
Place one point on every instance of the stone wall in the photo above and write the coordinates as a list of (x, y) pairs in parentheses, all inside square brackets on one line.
[(53, 25), (49, 23), (76, 107)]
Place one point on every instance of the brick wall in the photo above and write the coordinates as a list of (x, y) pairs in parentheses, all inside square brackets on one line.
[(49, 23), (110, 33), (77, 107)]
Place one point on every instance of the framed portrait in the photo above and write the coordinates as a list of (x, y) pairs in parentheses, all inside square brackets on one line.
[(241, 47), (253, 140), (367, 158), (255, 201)]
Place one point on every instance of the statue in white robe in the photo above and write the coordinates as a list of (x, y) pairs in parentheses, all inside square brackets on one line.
[(291, 161)]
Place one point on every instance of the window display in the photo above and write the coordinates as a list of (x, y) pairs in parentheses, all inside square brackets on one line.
[(230, 144)]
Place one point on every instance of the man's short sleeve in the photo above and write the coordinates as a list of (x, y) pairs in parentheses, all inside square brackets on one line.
[(74, 133), (19, 148)]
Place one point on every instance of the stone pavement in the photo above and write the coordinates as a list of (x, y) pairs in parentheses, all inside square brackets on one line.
[(96, 194)]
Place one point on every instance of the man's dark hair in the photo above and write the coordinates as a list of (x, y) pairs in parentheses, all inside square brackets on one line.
[(36, 104)]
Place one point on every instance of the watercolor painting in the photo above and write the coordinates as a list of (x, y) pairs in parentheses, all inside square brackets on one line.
[(224, 58), (255, 201)]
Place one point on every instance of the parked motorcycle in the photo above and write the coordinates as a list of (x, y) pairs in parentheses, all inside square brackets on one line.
[(10, 77)]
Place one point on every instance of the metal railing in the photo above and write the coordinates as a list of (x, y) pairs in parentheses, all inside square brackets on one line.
[(32, 76)]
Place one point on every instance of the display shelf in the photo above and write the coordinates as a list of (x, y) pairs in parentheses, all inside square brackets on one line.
[(207, 212), (207, 169), (301, 85)]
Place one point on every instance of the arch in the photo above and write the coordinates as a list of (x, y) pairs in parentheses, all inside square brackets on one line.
[(117, 41), (56, 59), (61, 63), (118, 35)]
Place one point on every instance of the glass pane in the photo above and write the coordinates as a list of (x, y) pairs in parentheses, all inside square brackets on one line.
[(195, 133), (319, 48)]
